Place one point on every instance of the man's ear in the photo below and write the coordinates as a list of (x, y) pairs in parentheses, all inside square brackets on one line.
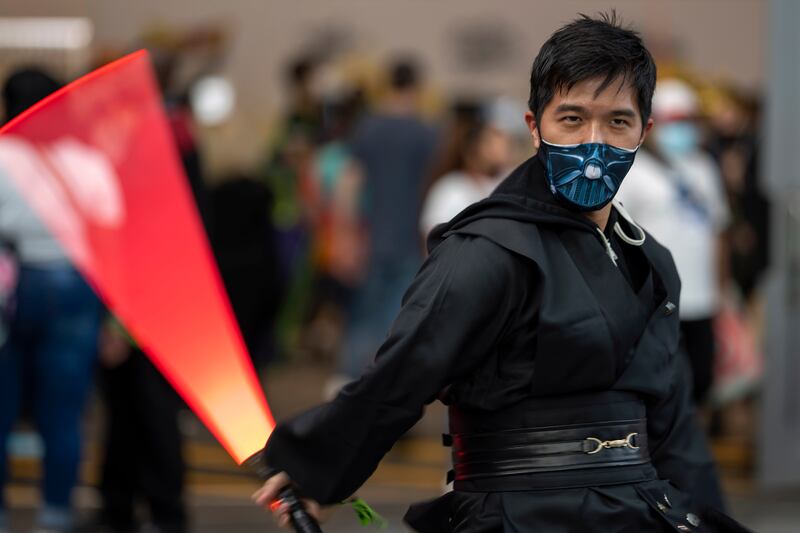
[(530, 120), (646, 130)]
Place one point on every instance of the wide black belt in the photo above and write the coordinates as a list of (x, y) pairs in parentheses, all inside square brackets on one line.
[(550, 449)]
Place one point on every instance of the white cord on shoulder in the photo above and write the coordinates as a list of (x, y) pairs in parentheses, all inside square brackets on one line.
[(618, 229)]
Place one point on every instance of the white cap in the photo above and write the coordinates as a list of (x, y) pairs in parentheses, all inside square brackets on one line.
[(213, 100), (675, 99)]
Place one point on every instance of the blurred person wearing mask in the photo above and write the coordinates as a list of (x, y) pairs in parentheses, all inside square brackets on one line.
[(392, 151), (53, 340), (473, 171), (674, 190), (546, 319)]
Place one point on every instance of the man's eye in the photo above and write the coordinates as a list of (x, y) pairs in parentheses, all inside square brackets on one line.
[(619, 122), (572, 119)]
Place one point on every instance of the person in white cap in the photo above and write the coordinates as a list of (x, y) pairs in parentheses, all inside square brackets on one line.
[(675, 192)]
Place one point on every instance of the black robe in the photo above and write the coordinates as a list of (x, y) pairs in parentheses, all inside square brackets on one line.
[(520, 301)]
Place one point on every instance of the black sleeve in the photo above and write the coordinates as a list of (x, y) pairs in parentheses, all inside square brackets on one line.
[(451, 317), (678, 446)]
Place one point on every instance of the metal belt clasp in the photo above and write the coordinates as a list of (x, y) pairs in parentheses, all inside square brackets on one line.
[(627, 442)]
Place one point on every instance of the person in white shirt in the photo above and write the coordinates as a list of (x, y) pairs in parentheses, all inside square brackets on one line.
[(52, 344), (675, 192), (477, 165)]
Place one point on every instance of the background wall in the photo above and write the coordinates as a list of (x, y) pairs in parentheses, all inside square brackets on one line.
[(468, 46)]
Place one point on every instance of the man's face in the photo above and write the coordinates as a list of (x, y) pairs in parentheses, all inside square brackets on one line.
[(581, 116)]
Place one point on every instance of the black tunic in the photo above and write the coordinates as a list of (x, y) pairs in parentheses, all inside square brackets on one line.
[(519, 301)]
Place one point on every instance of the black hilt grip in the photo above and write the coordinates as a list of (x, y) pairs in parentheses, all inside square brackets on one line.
[(302, 522)]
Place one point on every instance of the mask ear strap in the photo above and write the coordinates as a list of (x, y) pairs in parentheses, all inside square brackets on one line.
[(618, 229), (630, 150)]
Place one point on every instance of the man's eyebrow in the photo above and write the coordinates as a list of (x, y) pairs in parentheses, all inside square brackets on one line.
[(624, 112), (566, 108), (575, 108)]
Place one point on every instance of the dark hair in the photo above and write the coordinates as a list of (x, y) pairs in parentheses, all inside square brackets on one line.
[(590, 48), (404, 74), (300, 69), (25, 87), (463, 134)]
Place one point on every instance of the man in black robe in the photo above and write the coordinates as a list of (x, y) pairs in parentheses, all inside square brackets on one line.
[(547, 320)]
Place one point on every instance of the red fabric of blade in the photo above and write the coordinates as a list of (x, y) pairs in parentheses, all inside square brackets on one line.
[(98, 164)]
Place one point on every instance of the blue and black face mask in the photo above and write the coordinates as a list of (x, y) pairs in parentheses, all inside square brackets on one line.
[(585, 176)]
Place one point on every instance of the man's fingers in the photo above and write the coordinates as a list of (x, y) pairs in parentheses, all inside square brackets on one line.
[(312, 508), (267, 496), (256, 495), (269, 491), (261, 497), (281, 515)]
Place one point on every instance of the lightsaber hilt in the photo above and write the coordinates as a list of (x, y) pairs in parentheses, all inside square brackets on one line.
[(301, 521)]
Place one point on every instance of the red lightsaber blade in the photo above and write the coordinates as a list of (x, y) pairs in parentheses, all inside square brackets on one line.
[(97, 162)]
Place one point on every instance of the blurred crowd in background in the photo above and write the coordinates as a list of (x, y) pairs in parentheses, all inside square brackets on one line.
[(317, 242)]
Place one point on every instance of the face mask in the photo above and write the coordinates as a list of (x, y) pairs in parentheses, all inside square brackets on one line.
[(585, 176), (676, 139)]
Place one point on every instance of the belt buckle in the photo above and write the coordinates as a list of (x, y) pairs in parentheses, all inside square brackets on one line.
[(627, 442)]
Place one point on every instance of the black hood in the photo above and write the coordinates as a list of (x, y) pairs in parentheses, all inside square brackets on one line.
[(522, 197)]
